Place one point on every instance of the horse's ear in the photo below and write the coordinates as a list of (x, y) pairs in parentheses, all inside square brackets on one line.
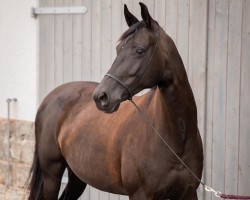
[(130, 18), (145, 15)]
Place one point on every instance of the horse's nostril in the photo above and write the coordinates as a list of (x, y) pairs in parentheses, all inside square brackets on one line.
[(103, 98)]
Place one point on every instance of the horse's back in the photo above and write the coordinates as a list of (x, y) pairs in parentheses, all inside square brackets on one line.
[(65, 94), (63, 98)]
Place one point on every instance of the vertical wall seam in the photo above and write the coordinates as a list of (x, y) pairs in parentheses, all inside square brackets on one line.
[(226, 96), (240, 85), (188, 32), (111, 28), (204, 179), (212, 138), (91, 41), (177, 21), (72, 44), (82, 70), (54, 49), (206, 90), (63, 46), (81, 63), (101, 44)]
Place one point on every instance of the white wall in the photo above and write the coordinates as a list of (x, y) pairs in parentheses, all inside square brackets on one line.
[(18, 58)]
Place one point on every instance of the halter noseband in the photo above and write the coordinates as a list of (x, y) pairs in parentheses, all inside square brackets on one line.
[(123, 84), (131, 86)]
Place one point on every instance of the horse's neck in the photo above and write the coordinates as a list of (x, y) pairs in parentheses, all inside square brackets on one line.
[(178, 98), (179, 105)]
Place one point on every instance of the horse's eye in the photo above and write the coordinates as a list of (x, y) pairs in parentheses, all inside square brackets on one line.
[(140, 51)]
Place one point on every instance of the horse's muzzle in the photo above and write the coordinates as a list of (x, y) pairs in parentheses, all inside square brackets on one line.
[(102, 101)]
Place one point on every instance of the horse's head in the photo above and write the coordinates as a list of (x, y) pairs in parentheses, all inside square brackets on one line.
[(139, 63)]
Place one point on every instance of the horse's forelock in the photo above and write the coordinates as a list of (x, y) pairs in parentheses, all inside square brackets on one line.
[(136, 27)]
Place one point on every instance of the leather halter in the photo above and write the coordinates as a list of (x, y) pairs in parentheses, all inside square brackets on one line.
[(130, 87)]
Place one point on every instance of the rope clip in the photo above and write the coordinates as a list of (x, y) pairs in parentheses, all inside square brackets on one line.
[(209, 189)]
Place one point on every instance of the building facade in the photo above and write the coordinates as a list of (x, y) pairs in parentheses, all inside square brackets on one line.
[(212, 36)]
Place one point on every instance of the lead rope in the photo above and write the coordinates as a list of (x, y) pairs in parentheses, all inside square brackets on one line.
[(207, 188)]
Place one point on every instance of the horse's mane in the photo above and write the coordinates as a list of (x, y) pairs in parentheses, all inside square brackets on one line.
[(134, 28)]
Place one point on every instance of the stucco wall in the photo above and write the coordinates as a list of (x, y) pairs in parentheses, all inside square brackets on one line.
[(18, 58)]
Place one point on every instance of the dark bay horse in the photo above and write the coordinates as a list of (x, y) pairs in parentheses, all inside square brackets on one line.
[(119, 152)]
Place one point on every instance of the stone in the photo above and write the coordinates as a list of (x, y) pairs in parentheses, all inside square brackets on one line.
[(3, 126), (25, 129), (2, 192), (22, 175), (15, 194), (6, 173), (21, 141), (15, 149), (27, 151), (3, 148)]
